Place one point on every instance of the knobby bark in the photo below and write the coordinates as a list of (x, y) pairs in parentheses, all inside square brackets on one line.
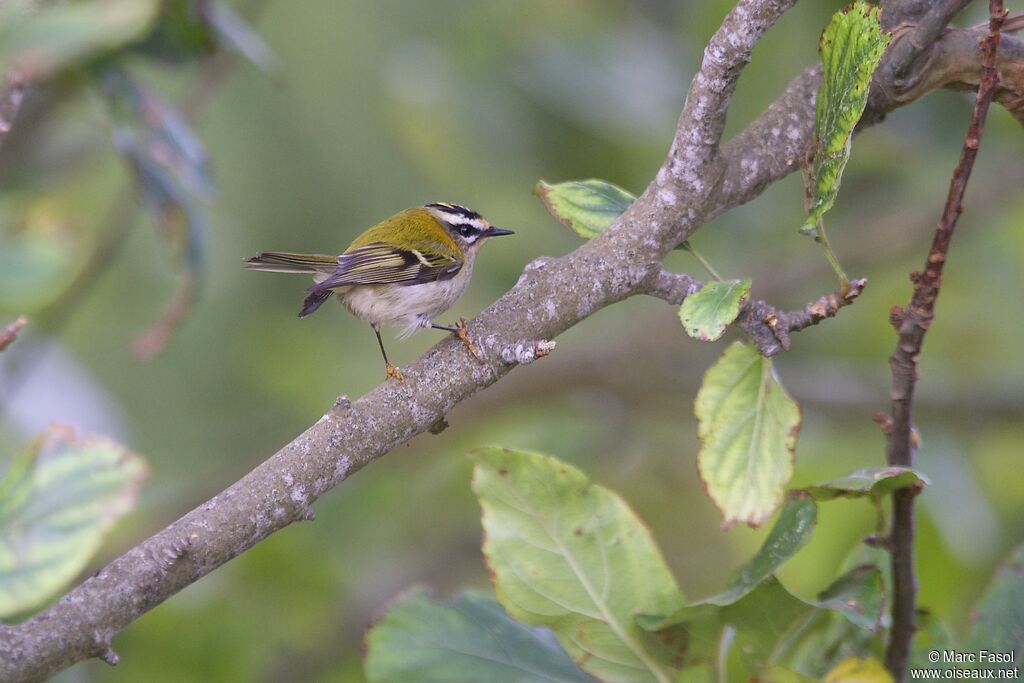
[(699, 179), (911, 324)]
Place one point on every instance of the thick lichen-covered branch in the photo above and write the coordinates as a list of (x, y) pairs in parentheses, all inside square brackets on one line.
[(699, 179)]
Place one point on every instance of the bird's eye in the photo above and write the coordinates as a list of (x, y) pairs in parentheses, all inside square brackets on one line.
[(465, 230)]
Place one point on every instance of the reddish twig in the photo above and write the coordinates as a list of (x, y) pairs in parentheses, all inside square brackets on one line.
[(911, 324), (10, 333)]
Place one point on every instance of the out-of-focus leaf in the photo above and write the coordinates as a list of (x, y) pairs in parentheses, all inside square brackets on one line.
[(467, 640), (42, 38), (38, 257), (859, 595), (791, 532), (999, 616), (180, 33), (56, 504), (587, 207), (931, 635), (706, 314), (188, 29), (832, 639), (859, 671), (872, 483), (570, 555), (851, 47), (748, 427), (168, 157), (235, 33), (741, 635)]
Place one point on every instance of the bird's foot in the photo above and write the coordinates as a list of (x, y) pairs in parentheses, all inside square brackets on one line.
[(462, 332), (393, 372)]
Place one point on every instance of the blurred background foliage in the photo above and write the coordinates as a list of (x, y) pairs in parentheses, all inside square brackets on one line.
[(367, 107)]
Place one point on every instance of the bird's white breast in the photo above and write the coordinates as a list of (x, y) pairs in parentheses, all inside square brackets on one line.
[(407, 306)]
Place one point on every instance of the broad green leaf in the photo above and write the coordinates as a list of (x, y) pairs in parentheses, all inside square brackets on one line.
[(467, 640), (742, 635), (859, 671), (791, 532), (40, 39), (56, 504), (873, 483), (999, 616), (859, 595), (851, 47), (587, 207), (706, 314), (571, 555), (748, 428)]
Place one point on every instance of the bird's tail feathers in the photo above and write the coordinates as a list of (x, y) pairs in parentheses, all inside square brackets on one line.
[(314, 300), (285, 262)]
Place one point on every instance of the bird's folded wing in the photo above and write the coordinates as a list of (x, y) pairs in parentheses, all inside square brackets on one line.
[(379, 263)]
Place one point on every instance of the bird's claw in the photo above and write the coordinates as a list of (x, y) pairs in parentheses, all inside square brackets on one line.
[(462, 332), (393, 372)]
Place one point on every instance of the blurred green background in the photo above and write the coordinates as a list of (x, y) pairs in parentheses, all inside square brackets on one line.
[(381, 105)]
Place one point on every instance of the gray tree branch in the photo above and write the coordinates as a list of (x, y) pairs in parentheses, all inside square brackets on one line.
[(698, 180)]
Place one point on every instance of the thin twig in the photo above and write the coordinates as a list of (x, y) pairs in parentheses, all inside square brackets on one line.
[(912, 323), (768, 327), (10, 333)]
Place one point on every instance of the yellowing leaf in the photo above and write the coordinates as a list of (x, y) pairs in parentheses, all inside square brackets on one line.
[(851, 47), (748, 426), (570, 555), (856, 670)]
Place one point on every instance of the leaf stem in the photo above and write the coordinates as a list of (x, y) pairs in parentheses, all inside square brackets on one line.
[(821, 238), (707, 266), (686, 246)]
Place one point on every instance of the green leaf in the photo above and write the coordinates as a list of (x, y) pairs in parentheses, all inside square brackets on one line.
[(40, 39), (34, 269), (706, 314), (741, 636), (869, 483), (586, 207), (56, 504), (859, 595), (791, 532), (999, 616), (571, 555), (851, 47), (748, 427), (467, 640)]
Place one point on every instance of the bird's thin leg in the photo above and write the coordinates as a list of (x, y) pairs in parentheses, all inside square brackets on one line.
[(391, 369), (462, 332)]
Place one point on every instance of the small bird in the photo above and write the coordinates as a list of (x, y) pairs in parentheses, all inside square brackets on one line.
[(402, 272)]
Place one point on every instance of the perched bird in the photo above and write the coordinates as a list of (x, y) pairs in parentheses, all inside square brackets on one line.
[(402, 272)]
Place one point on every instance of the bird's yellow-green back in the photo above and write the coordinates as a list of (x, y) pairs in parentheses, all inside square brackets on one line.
[(412, 229)]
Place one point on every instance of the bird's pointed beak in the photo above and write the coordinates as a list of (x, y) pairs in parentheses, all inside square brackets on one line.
[(495, 232)]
